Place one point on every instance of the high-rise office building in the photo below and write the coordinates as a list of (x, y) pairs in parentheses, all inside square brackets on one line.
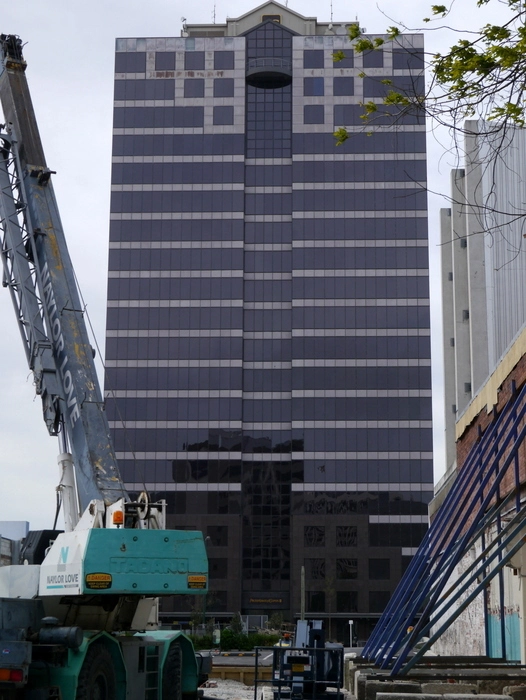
[(268, 317), (483, 266)]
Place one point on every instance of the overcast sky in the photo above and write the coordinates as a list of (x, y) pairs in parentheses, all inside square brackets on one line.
[(69, 49)]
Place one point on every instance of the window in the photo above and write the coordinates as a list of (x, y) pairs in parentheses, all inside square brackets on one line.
[(378, 601), (216, 601), (315, 601), (313, 59), (347, 62), (224, 87), (343, 86), (218, 535), (314, 536), (313, 114), (373, 58), (347, 601), (223, 115), (194, 87), (218, 567), (130, 62), (223, 60), (165, 60), (346, 535), (315, 569), (404, 59), (379, 569), (346, 569), (194, 60), (313, 86)]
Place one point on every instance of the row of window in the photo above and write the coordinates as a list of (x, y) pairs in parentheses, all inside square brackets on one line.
[(402, 59), (273, 410), (138, 90), (235, 378), (183, 117), (269, 204), (128, 62), (385, 115), (269, 350), (346, 601), (380, 87), (178, 144), (322, 472), (316, 439), (216, 318), (169, 117), (345, 503), (272, 290), (347, 569), (231, 503), (269, 231), (309, 471), (234, 144), (268, 175), (178, 230), (358, 258)]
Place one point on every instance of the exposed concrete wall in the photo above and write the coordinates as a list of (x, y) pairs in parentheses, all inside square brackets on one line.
[(466, 636)]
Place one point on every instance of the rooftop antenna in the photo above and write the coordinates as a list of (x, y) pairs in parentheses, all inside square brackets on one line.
[(331, 10), (214, 15)]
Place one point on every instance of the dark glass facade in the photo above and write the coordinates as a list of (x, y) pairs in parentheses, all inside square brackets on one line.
[(268, 315)]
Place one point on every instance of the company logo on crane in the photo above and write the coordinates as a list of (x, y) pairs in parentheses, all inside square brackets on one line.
[(55, 330)]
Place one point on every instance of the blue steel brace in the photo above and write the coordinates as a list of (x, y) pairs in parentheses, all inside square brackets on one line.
[(473, 510)]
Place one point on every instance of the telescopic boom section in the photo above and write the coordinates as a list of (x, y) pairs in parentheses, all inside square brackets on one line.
[(40, 277)]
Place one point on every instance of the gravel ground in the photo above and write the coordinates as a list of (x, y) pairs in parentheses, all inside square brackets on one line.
[(228, 690)]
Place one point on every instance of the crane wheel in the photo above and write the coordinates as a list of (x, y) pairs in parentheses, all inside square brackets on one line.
[(172, 673), (97, 677)]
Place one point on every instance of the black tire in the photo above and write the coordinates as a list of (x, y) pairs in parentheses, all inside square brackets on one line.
[(97, 677), (173, 673)]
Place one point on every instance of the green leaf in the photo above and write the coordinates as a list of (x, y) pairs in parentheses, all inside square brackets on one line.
[(363, 45), (354, 31), (338, 56), (341, 135)]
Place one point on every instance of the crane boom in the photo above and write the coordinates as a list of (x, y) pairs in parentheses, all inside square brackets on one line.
[(78, 610), (40, 277)]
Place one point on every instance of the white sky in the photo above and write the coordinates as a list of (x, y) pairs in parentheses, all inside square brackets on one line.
[(69, 48)]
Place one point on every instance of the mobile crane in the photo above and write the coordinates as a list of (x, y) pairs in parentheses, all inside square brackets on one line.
[(74, 613)]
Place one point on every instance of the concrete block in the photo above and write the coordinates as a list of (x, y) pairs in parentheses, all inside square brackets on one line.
[(457, 688), (372, 688), (517, 692), (454, 696), (359, 686), (407, 696)]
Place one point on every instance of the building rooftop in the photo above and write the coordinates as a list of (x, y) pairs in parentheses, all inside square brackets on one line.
[(306, 26)]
